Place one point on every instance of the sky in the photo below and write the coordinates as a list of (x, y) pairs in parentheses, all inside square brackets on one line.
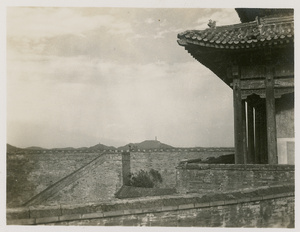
[(81, 76)]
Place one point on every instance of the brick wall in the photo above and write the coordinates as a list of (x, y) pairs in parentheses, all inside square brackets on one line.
[(204, 178), (99, 184), (31, 173), (166, 162), (262, 207)]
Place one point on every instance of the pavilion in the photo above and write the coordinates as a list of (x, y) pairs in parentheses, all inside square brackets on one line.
[(256, 59)]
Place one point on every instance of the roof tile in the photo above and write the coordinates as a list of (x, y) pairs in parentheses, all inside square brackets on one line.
[(271, 30)]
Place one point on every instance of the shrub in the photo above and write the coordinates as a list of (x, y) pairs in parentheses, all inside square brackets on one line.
[(145, 179)]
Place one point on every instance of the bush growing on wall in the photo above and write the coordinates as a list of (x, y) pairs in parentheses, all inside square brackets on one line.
[(145, 179)]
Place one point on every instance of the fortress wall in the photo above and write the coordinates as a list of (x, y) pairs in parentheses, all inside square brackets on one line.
[(99, 184), (211, 178), (166, 162), (264, 207), (29, 174)]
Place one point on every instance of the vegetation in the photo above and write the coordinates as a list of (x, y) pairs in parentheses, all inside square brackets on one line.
[(145, 179)]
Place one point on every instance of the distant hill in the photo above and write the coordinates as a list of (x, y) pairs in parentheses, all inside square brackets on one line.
[(146, 145), (10, 148), (64, 148), (100, 146), (35, 148)]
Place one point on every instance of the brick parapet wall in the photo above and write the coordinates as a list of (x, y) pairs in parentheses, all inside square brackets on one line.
[(272, 199), (205, 178)]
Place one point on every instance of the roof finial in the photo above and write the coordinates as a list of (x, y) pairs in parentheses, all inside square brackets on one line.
[(259, 24), (212, 24), (257, 19)]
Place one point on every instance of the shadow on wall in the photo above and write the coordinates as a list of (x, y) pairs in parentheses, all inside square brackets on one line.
[(223, 159), (133, 192)]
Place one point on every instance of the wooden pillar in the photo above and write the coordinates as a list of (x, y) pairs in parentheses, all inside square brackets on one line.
[(270, 116), (244, 132), (263, 138), (250, 158), (239, 121), (257, 135)]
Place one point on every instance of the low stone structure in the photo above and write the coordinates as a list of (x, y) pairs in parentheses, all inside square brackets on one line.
[(262, 207)]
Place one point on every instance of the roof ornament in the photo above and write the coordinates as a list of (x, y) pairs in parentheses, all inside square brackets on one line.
[(212, 24), (259, 24)]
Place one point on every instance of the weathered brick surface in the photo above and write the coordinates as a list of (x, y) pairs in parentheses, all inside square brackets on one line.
[(166, 162), (42, 211), (100, 183), (18, 213), (204, 178), (276, 213), (277, 210), (29, 174)]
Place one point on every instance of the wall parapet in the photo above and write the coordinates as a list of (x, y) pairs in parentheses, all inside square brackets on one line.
[(210, 178), (118, 208), (252, 167)]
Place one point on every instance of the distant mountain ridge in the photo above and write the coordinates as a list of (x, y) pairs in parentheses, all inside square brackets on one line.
[(145, 145)]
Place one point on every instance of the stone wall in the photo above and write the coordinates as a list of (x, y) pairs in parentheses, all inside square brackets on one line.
[(262, 207), (99, 184), (31, 173), (166, 162), (205, 178)]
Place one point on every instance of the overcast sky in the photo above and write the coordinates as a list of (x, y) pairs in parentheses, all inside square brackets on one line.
[(81, 76)]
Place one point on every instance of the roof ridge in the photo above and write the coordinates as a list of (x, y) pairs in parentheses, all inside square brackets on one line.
[(266, 21)]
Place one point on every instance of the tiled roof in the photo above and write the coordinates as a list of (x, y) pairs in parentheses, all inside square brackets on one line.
[(265, 31)]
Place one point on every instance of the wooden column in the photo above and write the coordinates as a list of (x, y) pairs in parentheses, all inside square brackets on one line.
[(257, 135), (263, 138), (271, 120), (244, 132), (250, 158), (239, 121)]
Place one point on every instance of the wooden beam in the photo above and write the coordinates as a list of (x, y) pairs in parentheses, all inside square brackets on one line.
[(252, 71), (258, 71), (271, 120), (260, 84)]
